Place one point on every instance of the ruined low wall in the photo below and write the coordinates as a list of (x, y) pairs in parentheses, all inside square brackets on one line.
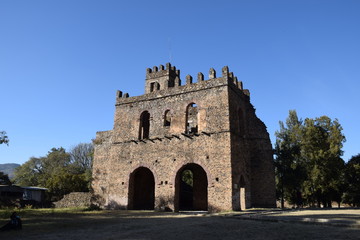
[(75, 199)]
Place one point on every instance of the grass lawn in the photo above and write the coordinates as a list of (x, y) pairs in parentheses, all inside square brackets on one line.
[(80, 224)]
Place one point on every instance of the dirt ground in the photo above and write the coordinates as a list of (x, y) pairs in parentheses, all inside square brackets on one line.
[(155, 225)]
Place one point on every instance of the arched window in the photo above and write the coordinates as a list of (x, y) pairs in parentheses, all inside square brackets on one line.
[(167, 118), (191, 119), (144, 125), (154, 86)]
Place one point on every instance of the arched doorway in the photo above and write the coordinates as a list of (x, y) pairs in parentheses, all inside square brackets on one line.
[(141, 189), (191, 188)]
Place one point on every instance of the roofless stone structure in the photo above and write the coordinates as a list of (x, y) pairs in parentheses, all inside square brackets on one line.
[(198, 146)]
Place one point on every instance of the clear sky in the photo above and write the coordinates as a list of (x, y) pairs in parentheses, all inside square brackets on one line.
[(61, 61)]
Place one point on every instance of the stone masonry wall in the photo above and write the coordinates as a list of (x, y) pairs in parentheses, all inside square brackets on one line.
[(252, 161), (164, 164)]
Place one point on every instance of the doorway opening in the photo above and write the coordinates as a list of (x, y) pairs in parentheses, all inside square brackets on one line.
[(191, 189), (142, 189)]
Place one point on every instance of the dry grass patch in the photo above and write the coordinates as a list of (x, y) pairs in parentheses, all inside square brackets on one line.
[(79, 224)]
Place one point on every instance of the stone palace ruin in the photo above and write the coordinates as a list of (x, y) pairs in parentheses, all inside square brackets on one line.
[(197, 146)]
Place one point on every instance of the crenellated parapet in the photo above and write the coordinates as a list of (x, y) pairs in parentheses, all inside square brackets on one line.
[(227, 77), (161, 71), (119, 94), (164, 80)]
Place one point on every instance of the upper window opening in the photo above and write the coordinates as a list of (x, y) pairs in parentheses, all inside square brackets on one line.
[(144, 125), (154, 86), (167, 118), (192, 118)]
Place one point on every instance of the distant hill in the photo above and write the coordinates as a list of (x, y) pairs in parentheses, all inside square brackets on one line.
[(9, 168)]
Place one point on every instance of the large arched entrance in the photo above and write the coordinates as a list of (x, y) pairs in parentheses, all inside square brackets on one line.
[(191, 188), (141, 189)]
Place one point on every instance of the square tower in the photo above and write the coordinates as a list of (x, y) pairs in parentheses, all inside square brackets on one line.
[(197, 146), (160, 78)]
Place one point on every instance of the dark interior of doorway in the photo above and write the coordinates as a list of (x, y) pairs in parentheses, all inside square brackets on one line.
[(192, 188), (143, 190)]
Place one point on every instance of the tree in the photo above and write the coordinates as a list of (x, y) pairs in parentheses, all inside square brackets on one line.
[(352, 181), (59, 171), (37, 171), (29, 173), (322, 141), (4, 179), (187, 177), (64, 182), (288, 166), (81, 158), (308, 160), (56, 160), (4, 138)]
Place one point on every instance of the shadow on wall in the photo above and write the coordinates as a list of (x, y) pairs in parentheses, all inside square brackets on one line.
[(97, 200), (213, 209), (164, 204), (113, 205)]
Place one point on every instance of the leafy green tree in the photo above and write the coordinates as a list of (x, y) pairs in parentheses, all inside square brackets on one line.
[(308, 160), (64, 182), (59, 171), (37, 171), (4, 138), (56, 161), (321, 149), (187, 177), (352, 182), (290, 172), (29, 173), (4, 179)]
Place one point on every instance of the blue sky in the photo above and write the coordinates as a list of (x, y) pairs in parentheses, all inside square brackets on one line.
[(61, 62)]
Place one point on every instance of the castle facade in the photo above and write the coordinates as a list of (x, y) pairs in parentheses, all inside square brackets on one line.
[(197, 146)]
